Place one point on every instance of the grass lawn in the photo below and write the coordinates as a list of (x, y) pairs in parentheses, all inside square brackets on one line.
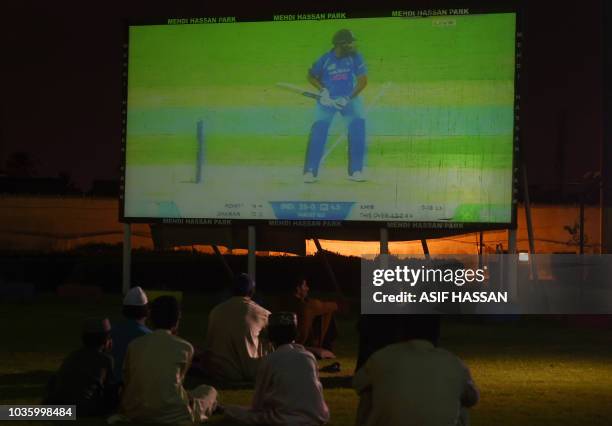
[(532, 371)]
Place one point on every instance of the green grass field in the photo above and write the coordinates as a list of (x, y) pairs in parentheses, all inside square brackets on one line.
[(532, 371)]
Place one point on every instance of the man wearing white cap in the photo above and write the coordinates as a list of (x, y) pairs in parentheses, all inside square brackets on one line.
[(135, 311), (287, 389), (233, 346)]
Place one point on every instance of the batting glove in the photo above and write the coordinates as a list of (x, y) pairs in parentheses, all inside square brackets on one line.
[(325, 100), (341, 103)]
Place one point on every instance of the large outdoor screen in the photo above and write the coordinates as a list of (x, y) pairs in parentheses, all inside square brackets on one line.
[(322, 119)]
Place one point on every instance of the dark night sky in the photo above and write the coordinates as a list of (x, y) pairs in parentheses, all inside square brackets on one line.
[(61, 84)]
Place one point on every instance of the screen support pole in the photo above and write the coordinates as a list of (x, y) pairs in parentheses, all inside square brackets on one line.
[(511, 241), (384, 241), (425, 248), (328, 267), (251, 256), (512, 264), (527, 203), (384, 247), (605, 196), (127, 257), (480, 248), (226, 267)]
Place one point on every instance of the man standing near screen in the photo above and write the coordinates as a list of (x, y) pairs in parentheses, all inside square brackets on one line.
[(340, 75)]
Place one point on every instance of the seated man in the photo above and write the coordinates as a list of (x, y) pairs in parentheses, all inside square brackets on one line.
[(135, 311), (287, 388), (85, 375), (376, 332), (412, 382), (316, 324), (234, 344), (154, 372)]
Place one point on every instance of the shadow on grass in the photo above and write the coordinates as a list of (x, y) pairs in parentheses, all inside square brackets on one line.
[(337, 382), (194, 379), (36, 377), (333, 382), (30, 385)]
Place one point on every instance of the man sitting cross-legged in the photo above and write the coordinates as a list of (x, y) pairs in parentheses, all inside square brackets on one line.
[(154, 371), (412, 382), (287, 387), (316, 323), (235, 342), (84, 378)]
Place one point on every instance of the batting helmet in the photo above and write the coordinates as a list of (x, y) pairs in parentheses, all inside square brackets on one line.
[(343, 36)]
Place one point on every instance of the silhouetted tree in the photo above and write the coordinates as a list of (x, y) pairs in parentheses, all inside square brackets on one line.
[(69, 185), (21, 164)]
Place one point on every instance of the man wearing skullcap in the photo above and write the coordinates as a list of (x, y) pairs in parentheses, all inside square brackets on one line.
[(84, 378), (234, 342), (287, 388), (135, 311), (154, 372)]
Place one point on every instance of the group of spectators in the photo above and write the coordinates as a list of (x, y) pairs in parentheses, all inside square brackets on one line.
[(132, 373)]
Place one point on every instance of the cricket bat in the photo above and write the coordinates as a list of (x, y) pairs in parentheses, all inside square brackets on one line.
[(296, 89)]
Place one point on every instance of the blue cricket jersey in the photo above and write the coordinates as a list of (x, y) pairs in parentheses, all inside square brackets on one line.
[(338, 75)]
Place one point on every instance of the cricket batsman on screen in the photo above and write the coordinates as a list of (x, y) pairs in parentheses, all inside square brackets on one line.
[(340, 75)]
